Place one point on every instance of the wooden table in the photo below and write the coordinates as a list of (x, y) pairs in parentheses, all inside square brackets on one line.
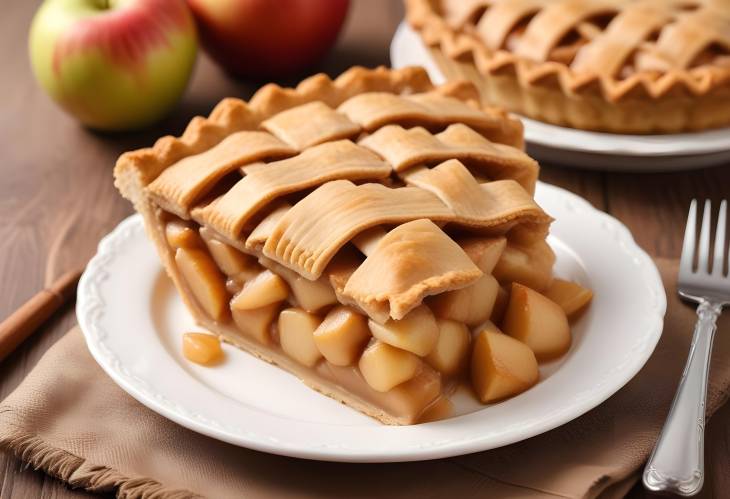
[(57, 198)]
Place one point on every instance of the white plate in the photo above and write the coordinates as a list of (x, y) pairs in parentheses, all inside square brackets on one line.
[(590, 150), (133, 322)]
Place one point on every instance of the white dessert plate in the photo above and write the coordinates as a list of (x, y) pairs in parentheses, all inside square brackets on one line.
[(585, 149), (133, 321)]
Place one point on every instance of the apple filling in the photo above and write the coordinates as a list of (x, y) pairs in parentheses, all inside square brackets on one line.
[(202, 348), (406, 368)]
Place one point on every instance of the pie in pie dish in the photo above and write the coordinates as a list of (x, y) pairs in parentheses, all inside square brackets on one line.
[(366, 234), (624, 66)]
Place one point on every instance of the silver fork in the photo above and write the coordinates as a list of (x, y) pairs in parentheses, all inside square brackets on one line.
[(677, 463)]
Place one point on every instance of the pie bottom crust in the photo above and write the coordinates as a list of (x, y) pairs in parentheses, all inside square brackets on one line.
[(307, 375), (668, 114)]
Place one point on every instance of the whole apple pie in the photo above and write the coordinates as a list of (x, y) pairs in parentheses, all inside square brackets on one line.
[(370, 235), (627, 66)]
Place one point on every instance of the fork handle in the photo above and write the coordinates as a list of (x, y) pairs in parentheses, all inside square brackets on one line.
[(677, 463)]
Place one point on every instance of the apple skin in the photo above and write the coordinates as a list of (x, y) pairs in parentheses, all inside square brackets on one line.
[(114, 64), (265, 38)]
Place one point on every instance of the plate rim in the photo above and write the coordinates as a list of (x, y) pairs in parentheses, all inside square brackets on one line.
[(89, 305), (586, 141)]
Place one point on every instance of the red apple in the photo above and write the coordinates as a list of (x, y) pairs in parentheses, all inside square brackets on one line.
[(265, 38), (113, 64)]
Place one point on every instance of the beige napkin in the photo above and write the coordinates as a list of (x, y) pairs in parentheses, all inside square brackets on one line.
[(71, 420)]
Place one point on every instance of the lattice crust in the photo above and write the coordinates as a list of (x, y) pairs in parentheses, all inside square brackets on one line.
[(310, 124), (317, 165), (406, 148), (423, 155), (176, 189), (135, 170), (377, 109), (621, 46), (414, 260), (309, 235)]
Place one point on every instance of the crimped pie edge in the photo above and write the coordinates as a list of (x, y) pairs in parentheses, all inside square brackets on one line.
[(135, 169), (454, 43), (678, 101)]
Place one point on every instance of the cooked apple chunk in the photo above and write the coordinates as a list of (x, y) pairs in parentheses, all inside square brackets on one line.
[(406, 400), (180, 234), (296, 333), (417, 332), (571, 296), (384, 366), (367, 240), (264, 289), (450, 351), (256, 322), (471, 305), (230, 260), (410, 398), (202, 348), (204, 280), (312, 296), (342, 335), (484, 252), (529, 265), (501, 366), (537, 321)]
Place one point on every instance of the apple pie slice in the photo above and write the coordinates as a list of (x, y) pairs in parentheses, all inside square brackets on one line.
[(367, 234)]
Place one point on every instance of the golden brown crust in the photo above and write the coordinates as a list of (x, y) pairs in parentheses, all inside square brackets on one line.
[(136, 169), (414, 260), (232, 115), (645, 102)]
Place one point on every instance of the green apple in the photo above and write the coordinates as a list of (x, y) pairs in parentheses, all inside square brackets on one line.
[(114, 64)]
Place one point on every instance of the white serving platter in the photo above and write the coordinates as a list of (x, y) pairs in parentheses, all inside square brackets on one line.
[(133, 322)]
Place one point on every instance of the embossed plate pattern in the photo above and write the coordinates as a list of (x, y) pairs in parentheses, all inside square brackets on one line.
[(133, 322)]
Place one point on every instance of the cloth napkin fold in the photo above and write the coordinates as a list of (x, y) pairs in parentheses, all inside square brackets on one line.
[(69, 419)]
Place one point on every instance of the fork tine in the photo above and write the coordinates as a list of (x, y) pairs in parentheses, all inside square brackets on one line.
[(703, 251), (718, 263), (688, 247)]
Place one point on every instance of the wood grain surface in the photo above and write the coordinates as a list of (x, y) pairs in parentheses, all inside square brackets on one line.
[(57, 199)]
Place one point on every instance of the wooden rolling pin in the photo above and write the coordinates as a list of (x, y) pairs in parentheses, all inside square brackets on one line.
[(33, 313)]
